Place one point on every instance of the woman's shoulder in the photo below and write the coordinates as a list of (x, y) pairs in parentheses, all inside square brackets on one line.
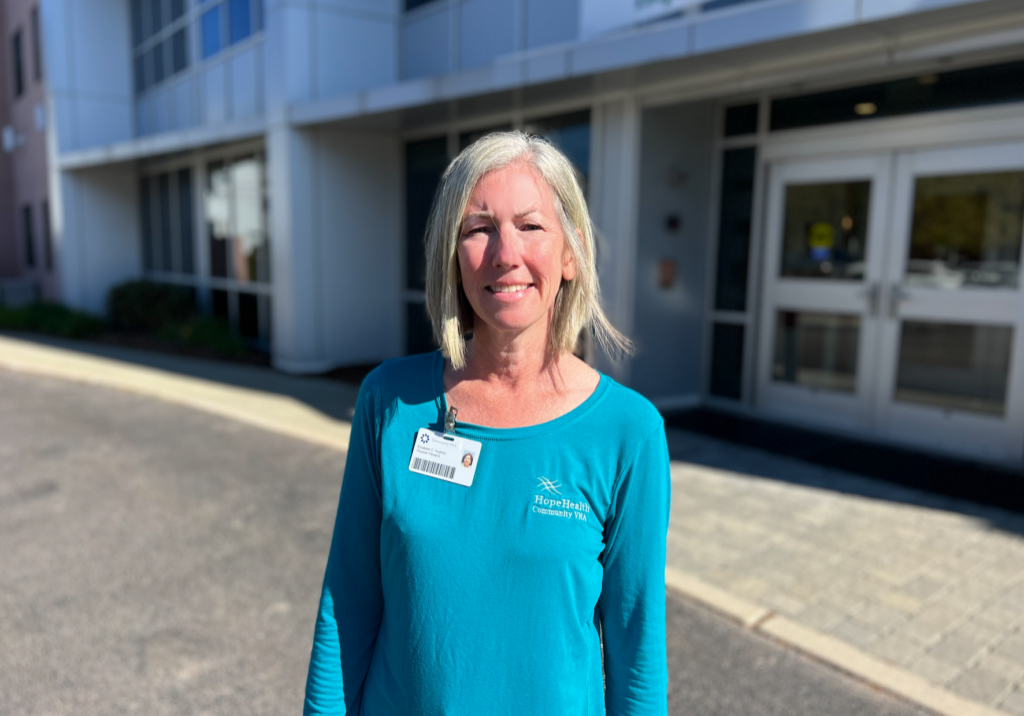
[(625, 417), (395, 374)]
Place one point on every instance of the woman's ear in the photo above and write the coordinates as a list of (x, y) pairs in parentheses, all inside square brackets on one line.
[(569, 260)]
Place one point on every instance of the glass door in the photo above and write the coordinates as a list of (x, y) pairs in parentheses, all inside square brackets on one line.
[(952, 330), (819, 332)]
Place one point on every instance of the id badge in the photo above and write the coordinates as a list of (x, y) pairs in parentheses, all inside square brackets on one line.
[(445, 457)]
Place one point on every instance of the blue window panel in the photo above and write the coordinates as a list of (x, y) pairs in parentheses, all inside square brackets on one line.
[(212, 37), (239, 19), (257, 16)]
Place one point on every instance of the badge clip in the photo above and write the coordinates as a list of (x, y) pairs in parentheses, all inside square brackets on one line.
[(449, 420)]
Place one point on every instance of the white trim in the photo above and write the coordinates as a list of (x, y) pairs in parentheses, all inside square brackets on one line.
[(152, 145)]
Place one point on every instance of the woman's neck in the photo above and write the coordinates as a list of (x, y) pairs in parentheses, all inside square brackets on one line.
[(514, 363)]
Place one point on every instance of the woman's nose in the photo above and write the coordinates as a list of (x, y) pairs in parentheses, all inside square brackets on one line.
[(507, 247)]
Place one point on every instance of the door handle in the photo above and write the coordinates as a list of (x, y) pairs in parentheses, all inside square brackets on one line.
[(871, 293), (897, 295)]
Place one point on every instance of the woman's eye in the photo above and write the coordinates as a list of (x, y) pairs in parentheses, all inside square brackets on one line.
[(531, 227)]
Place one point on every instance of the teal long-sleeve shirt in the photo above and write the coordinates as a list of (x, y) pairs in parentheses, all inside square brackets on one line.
[(444, 599)]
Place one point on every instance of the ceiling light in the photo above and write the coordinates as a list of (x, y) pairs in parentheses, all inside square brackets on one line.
[(865, 109)]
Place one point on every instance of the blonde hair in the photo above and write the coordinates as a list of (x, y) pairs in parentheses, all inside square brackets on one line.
[(578, 303)]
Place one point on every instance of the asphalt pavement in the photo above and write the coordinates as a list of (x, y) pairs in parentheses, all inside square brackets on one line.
[(161, 560)]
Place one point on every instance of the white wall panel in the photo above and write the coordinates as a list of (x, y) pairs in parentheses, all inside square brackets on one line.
[(487, 29), (98, 239), (353, 53), (549, 22), (102, 121), (88, 65), (772, 23), (102, 55), (243, 84), (295, 30), (358, 180), (425, 45), (878, 9), (184, 98), (668, 323), (382, 7), (214, 91)]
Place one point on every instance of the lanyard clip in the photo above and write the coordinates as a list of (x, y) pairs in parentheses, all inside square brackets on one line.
[(449, 420)]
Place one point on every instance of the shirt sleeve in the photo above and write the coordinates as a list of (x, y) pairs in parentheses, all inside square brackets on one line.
[(632, 602), (352, 600)]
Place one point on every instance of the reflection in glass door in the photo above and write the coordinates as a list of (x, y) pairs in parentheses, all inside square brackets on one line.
[(825, 219)]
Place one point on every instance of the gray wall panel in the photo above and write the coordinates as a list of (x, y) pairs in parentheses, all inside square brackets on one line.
[(675, 172)]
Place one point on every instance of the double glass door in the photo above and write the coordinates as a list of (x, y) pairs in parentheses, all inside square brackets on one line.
[(892, 300)]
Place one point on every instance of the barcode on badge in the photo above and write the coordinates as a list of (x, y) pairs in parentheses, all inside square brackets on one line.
[(433, 468)]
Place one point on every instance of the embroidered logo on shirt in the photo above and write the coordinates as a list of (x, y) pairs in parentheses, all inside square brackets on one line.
[(560, 506), (549, 485)]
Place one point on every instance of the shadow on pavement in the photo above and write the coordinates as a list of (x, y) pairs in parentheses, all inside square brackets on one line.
[(332, 397), (868, 469)]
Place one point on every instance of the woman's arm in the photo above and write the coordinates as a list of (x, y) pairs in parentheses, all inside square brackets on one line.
[(632, 603), (352, 602)]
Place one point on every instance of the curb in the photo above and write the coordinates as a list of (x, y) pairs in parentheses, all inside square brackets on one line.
[(292, 418), (276, 413), (828, 649)]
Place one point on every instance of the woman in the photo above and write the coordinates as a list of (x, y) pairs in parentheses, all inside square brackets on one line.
[(489, 591)]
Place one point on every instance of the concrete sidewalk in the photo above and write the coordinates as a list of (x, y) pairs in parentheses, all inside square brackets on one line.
[(920, 595)]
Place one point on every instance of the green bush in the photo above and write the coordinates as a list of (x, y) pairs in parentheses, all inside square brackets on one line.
[(205, 333), (50, 318), (147, 307)]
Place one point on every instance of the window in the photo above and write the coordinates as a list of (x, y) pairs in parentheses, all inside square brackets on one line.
[(37, 50), (236, 217), (973, 87), (26, 230), (44, 211), (19, 76), (225, 22), (160, 37), (571, 134), (213, 39), (233, 200), (425, 162), (166, 213)]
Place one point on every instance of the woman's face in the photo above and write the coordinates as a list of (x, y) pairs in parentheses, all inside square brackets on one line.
[(467, 460), (512, 252)]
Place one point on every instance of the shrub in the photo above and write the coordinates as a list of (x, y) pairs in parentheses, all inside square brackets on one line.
[(146, 306), (205, 333), (52, 319)]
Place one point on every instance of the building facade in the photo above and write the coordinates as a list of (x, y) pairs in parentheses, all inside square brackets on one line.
[(810, 210), (26, 250)]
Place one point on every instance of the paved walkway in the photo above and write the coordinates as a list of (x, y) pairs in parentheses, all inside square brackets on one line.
[(927, 584), (921, 595)]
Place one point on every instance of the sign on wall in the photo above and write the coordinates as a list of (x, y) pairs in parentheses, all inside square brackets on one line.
[(598, 17)]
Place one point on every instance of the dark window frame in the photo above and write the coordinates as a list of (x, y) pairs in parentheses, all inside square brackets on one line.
[(18, 65), (44, 216), (28, 235), (37, 47)]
